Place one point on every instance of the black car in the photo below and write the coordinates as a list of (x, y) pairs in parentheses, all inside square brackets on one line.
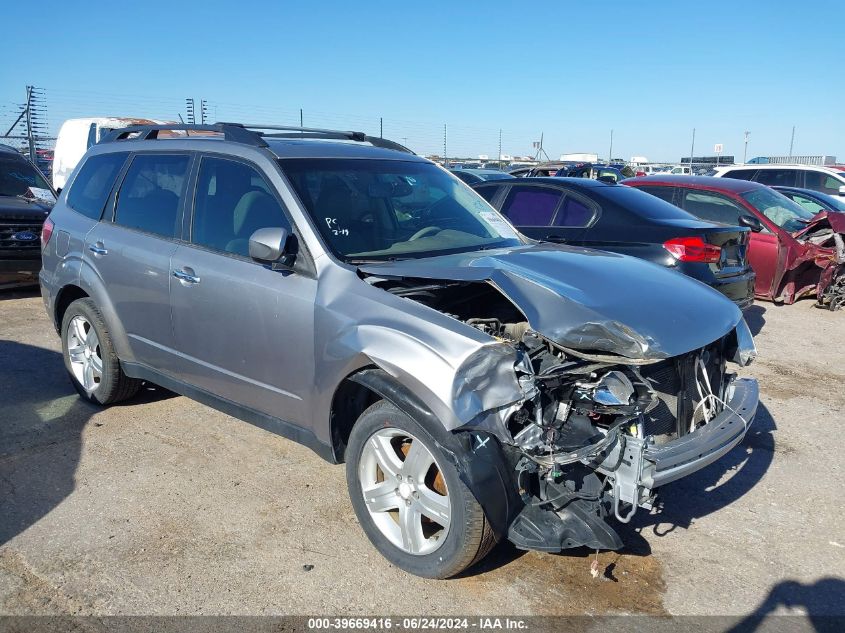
[(475, 176), (25, 200), (584, 212), (813, 201)]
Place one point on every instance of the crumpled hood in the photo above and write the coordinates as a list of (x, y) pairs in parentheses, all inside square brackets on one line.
[(588, 300), (835, 220)]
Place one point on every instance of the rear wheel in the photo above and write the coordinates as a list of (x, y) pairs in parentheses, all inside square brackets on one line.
[(90, 358), (409, 498)]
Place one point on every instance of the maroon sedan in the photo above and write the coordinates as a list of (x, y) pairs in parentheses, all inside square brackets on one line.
[(794, 252)]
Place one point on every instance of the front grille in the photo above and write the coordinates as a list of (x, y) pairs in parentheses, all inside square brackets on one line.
[(12, 232)]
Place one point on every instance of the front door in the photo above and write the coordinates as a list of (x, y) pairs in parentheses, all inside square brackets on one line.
[(244, 331)]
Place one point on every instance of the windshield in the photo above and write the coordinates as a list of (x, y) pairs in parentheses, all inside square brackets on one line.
[(787, 214), (17, 176), (388, 209)]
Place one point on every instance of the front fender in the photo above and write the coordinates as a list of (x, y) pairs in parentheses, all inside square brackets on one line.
[(459, 381)]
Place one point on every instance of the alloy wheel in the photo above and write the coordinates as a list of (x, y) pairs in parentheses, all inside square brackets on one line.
[(404, 491), (83, 348)]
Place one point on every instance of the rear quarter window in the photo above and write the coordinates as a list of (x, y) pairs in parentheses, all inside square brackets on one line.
[(641, 203), (740, 174), (488, 192), (93, 184)]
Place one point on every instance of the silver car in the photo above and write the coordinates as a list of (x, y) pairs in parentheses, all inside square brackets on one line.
[(341, 291)]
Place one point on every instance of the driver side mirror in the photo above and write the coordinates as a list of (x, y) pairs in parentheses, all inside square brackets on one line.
[(751, 222), (268, 245)]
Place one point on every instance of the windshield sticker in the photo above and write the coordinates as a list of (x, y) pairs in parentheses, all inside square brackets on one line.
[(498, 224)]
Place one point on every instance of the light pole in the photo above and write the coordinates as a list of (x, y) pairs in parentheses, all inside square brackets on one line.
[(691, 150), (745, 151)]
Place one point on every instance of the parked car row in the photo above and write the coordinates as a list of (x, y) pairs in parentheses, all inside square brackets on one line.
[(594, 214), (793, 251), (339, 290)]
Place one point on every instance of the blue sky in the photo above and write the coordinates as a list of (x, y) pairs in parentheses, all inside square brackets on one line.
[(651, 71)]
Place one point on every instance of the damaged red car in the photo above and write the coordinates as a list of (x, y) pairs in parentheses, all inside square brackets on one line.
[(794, 252)]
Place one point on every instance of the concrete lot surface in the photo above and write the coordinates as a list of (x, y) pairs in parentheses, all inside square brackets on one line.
[(163, 506)]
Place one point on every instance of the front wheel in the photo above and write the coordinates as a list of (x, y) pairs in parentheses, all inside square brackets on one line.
[(409, 498)]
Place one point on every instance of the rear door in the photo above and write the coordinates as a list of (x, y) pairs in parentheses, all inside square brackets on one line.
[(778, 177), (532, 208), (761, 251), (244, 331), (130, 250)]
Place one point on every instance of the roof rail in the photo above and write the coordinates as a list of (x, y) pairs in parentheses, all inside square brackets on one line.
[(252, 134), (230, 131)]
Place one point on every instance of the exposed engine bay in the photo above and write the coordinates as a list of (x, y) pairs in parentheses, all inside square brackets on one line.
[(566, 438)]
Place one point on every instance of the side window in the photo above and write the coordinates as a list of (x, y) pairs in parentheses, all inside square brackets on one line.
[(808, 203), (232, 202), (151, 193), (574, 212), (488, 192), (820, 181), (712, 207), (741, 174), (92, 185), (664, 193), (777, 177), (531, 206)]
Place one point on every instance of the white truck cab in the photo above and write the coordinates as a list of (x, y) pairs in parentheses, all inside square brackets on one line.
[(77, 135)]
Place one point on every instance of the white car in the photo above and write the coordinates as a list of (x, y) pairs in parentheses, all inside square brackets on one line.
[(817, 178)]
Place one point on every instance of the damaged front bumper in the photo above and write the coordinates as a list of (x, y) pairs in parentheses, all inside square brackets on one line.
[(635, 467)]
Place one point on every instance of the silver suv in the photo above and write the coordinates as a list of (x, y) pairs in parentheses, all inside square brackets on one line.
[(341, 291)]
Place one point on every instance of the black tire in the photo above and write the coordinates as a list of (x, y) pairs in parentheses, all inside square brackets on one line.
[(470, 537), (114, 386)]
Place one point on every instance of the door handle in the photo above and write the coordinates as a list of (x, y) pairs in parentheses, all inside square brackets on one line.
[(98, 249), (181, 275)]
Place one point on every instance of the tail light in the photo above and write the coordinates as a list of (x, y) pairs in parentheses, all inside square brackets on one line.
[(46, 231), (693, 249)]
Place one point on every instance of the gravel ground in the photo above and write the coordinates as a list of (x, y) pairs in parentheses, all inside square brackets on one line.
[(164, 506)]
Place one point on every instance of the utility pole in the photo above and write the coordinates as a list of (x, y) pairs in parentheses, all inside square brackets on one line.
[(300, 118), (189, 109), (29, 134), (792, 141), (692, 150), (203, 111), (499, 157), (745, 151), (444, 146), (381, 127), (610, 152)]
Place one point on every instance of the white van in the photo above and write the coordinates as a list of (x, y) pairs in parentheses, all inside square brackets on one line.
[(77, 135)]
